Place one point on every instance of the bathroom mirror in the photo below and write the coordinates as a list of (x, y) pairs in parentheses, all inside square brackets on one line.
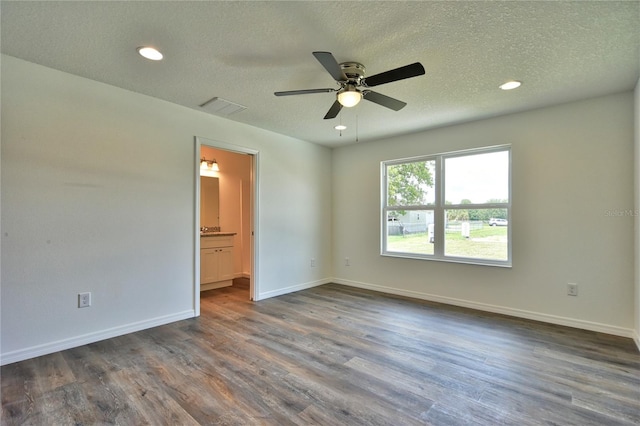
[(209, 202)]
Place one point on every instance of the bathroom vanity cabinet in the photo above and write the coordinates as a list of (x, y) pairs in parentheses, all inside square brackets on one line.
[(216, 260)]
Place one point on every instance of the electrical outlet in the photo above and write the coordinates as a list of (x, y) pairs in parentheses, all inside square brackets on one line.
[(572, 289), (313, 262), (347, 261), (84, 300)]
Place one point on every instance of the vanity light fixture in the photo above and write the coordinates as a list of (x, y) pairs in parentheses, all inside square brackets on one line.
[(510, 85), (150, 53), (209, 165)]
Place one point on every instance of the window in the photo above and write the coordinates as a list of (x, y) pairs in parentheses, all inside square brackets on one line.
[(453, 207)]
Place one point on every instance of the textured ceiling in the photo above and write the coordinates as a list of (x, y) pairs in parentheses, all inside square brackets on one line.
[(244, 51)]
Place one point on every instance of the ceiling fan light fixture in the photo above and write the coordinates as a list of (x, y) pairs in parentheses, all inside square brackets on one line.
[(150, 53), (349, 96), (510, 85), (340, 127)]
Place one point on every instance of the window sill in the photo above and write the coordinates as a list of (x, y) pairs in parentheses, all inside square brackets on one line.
[(463, 260)]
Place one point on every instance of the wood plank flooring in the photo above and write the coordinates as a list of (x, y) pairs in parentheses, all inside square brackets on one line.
[(332, 355)]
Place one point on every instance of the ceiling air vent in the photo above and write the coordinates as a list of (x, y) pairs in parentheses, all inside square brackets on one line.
[(222, 106)]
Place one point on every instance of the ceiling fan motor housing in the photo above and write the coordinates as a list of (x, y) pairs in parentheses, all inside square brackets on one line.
[(354, 71)]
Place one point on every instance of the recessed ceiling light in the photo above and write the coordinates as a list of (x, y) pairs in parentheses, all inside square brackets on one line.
[(509, 85), (150, 53), (340, 127)]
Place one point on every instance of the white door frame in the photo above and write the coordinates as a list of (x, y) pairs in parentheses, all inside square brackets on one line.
[(254, 282)]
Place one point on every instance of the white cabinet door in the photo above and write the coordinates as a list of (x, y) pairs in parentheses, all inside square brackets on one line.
[(225, 263), (209, 265)]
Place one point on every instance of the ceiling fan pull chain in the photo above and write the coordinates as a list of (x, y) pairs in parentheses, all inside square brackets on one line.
[(357, 128)]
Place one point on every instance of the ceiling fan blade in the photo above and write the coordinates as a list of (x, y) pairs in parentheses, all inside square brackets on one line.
[(334, 110), (408, 71), (303, 92), (383, 100), (331, 65)]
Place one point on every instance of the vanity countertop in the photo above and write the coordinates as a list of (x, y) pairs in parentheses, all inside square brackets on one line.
[(217, 234)]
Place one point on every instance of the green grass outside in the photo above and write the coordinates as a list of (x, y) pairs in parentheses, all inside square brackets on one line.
[(489, 242)]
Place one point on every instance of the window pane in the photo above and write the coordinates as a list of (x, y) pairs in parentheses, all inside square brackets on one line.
[(410, 231), (477, 233), (411, 184), (477, 179)]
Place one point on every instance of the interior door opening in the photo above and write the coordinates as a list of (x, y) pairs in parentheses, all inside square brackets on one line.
[(226, 214)]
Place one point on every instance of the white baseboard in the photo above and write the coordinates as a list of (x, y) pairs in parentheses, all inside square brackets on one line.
[(61, 345), (293, 288), (216, 285), (536, 316), (48, 348)]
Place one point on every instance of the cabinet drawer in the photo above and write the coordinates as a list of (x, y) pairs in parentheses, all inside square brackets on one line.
[(215, 242)]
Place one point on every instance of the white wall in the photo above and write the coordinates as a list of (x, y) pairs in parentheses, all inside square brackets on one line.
[(98, 195), (637, 211), (572, 164)]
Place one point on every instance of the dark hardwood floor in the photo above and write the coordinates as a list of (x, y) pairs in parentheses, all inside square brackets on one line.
[(332, 355)]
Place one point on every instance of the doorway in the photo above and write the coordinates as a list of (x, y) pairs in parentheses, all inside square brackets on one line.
[(237, 180)]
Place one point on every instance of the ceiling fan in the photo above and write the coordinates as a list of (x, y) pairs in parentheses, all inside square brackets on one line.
[(354, 85)]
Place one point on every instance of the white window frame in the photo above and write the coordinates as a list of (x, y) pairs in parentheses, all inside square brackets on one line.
[(439, 208)]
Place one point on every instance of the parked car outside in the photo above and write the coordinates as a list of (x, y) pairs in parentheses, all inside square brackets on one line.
[(498, 222)]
